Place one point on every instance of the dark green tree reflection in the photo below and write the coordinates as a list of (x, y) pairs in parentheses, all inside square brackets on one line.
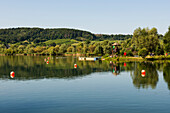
[(28, 67), (166, 74), (150, 78)]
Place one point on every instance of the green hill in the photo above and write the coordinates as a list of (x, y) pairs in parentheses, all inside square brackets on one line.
[(37, 35)]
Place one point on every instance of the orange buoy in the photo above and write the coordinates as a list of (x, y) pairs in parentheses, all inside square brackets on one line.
[(47, 62), (12, 74), (75, 65)]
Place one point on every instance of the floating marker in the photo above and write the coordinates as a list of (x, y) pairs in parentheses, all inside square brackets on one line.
[(143, 71), (12, 74), (166, 54), (48, 58), (47, 62), (143, 75), (124, 53), (113, 47), (124, 64), (75, 65)]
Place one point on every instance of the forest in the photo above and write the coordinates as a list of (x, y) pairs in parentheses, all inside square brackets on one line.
[(37, 35), (143, 42)]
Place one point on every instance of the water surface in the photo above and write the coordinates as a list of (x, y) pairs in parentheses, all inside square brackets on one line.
[(94, 87)]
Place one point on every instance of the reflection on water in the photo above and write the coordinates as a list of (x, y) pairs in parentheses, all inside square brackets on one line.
[(150, 79), (100, 86), (29, 67), (115, 67), (166, 74)]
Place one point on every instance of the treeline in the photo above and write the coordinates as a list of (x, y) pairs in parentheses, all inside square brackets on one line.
[(37, 35), (86, 47), (147, 42), (144, 42), (113, 37)]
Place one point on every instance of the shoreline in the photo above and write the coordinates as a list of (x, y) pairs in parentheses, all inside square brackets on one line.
[(127, 58)]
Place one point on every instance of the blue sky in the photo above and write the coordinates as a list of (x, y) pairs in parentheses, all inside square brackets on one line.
[(96, 16)]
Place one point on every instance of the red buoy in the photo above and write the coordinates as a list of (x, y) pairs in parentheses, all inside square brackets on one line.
[(75, 65), (47, 62), (124, 53), (124, 64), (12, 74), (143, 73)]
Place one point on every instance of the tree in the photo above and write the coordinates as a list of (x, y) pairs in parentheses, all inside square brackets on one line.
[(87, 41), (92, 48), (166, 41), (53, 44), (70, 49), (79, 49), (21, 48), (63, 48), (98, 50), (145, 38), (107, 49), (51, 50), (143, 52)]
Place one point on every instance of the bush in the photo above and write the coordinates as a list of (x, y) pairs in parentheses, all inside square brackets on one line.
[(143, 52), (129, 53), (106, 55)]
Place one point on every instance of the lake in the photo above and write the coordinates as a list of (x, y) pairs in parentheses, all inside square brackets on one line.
[(92, 87)]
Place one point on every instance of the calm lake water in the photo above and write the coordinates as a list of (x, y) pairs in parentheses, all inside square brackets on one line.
[(93, 87)]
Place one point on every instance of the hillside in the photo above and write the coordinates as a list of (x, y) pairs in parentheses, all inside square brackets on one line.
[(36, 35)]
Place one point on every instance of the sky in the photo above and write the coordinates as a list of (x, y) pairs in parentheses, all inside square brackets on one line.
[(96, 16)]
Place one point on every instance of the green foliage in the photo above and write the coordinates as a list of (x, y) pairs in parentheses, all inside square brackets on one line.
[(113, 37), (37, 35), (166, 41), (87, 41), (60, 41), (92, 48), (143, 52), (145, 38), (107, 49), (129, 53), (98, 50), (70, 49), (63, 48)]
